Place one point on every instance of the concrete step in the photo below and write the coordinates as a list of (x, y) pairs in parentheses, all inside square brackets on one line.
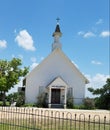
[(57, 106)]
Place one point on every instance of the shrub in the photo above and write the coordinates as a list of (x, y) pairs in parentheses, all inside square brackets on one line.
[(70, 103), (89, 103), (17, 97), (1, 103), (41, 100), (7, 103), (20, 99)]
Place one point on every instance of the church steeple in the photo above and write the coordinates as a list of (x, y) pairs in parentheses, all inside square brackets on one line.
[(57, 34)]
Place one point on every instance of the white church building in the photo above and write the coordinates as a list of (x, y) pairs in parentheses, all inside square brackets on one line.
[(56, 77)]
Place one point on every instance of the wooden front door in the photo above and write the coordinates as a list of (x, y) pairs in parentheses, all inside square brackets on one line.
[(55, 96)]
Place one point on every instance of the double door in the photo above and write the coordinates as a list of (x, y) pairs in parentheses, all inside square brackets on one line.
[(55, 96)]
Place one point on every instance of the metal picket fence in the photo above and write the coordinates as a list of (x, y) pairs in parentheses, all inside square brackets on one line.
[(13, 118)]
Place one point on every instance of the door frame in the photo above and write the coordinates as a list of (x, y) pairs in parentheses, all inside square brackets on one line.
[(55, 96)]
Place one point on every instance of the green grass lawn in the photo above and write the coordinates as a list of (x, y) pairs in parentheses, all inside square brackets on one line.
[(7, 103), (52, 125)]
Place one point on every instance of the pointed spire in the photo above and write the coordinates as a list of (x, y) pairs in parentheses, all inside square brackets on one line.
[(57, 29), (57, 34)]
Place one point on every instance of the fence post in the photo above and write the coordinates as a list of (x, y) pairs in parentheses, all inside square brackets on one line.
[(104, 121), (75, 121), (89, 123)]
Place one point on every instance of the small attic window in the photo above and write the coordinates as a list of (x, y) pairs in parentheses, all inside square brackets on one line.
[(23, 89), (24, 82)]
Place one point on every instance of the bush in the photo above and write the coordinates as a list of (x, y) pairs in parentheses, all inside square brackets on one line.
[(41, 100), (103, 102), (70, 103), (7, 103), (20, 99), (17, 97), (1, 103), (89, 103), (79, 106)]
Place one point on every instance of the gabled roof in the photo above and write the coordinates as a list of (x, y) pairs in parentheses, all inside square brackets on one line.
[(73, 65), (55, 80), (60, 52)]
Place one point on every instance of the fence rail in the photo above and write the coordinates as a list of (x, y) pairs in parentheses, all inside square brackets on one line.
[(13, 118)]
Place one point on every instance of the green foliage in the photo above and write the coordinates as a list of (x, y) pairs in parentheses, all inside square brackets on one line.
[(7, 103), (11, 97), (17, 97), (70, 99), (103, 101), (20, 99), (89, 103), (70, 103), (1, 103), (41, 100), (10, 73), (29, 105)]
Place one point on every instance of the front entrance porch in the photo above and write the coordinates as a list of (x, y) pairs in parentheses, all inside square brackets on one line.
[(57, 93), (57, 97)]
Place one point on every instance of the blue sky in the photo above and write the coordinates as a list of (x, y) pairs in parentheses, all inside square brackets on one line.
[(26, 29)]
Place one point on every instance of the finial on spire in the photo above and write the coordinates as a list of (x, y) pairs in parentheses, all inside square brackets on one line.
[(57, 34), (58, 19)]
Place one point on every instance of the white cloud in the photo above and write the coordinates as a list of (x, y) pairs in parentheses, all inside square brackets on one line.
[(96, 81), (33, 59), (3, 44), (34, 64), (89, 34), (105, 34), (24, 39), (86, 34), (100, 21), (81, 33), (96, 62)]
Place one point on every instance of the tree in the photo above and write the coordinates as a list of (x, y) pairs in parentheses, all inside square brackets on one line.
[(10, 73), (103, 101)]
